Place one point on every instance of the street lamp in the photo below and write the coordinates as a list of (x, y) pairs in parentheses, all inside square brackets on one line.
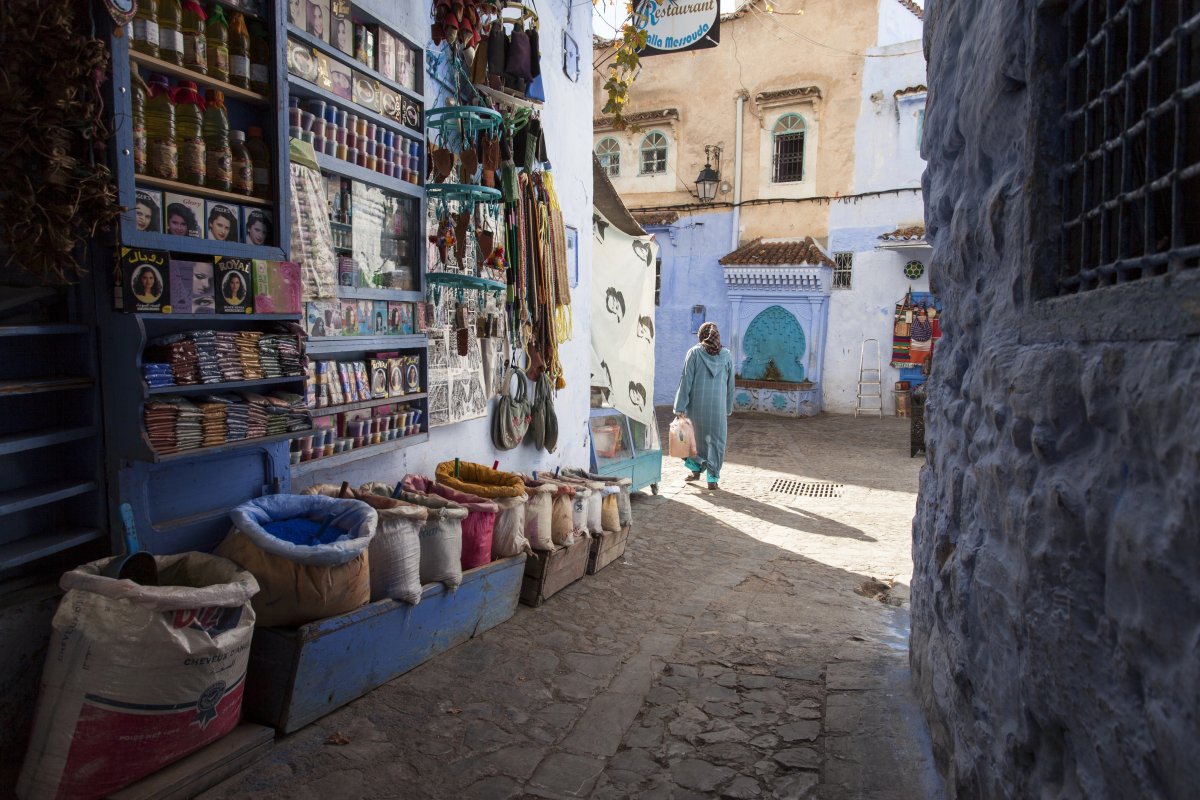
[(707, 180)]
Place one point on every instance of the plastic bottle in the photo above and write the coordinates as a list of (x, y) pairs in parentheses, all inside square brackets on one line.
[(195, 47), (239, 51), (162, 157), (243, 164), (260, 59), (138, 105), (260, 157), (216, 34), (145, 28), (170, 31), (218, 155), (189, 123)]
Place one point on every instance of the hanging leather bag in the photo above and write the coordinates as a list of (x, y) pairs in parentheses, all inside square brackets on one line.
[(543, 428), (513, 413)]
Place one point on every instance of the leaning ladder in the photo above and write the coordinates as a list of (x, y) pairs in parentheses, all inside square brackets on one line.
[(870, 392)]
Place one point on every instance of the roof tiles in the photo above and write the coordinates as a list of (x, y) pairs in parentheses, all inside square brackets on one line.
[(758, 252)]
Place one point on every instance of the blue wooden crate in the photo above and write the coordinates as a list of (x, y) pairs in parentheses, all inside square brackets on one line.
[(298, 675)]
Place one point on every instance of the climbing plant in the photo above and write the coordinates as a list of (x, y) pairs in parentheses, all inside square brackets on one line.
[(626, 63)]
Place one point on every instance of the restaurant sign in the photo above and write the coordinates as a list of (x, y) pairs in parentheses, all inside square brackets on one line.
[(676, 26)]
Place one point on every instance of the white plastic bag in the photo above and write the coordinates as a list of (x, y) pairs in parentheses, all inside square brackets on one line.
[(508, 538), (441, 539), (138, 677), (538, 509), (681, 443)]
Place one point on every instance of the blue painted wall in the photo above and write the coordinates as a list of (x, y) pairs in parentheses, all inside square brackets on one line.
[(691, 276)]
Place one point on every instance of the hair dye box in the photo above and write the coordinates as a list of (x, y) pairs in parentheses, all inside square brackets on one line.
[(234, 285)]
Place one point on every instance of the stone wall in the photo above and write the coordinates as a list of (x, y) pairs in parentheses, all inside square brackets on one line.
[(1054, 602)]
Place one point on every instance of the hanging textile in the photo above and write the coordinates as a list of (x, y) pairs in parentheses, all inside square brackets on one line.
[(916, 328)]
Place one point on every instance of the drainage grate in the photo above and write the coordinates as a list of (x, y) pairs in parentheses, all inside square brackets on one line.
[(807, 488)]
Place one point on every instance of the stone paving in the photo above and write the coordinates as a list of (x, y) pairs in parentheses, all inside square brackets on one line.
[(750, 644)]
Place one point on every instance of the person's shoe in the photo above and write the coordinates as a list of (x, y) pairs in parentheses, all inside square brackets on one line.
[(693, 476), (713, 486)]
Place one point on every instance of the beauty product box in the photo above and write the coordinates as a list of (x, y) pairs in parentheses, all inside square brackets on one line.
[(192, 287), (148, 210), (222, 221), (184, 215), (145, 285), (234, 285)]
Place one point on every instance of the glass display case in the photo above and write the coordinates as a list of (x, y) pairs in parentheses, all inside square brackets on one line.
[(625, 447)]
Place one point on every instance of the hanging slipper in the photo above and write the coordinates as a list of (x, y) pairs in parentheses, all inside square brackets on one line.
[(468, 163), (479, 63), (491, 160), (462, 222), (485, 241), (443, 163)]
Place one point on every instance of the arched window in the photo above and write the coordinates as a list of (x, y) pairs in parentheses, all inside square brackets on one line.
[(654, 154), (788, 162), (608, 153)]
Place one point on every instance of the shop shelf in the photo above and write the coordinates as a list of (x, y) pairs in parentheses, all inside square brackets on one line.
[(299, 86), (328, 411), (224, 386), (325, 47), (41, 545), (356, 293), (369, 176), (460, 281), (204, 81), (321, 345), (197, 452), (219, 317), (45, 437), (200, 191), (350, 456), (463, 192), (205, 248), (42, 494), (40, 385), (46, 329)]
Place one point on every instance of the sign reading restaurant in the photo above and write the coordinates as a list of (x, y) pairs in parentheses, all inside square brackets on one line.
[(675, 26)]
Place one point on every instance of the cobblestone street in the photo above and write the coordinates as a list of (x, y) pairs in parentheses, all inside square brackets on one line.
[(749, 644)]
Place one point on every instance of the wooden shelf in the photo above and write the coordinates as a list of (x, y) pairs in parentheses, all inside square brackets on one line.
[(183, 73), (45, 329), (42, 494), (46, 437), (350, 61), (395, 295), (146, 315), (339, 459), (224, 386), (201, 191), (320, 345), (41, 545), (40, 385), (369, 176), (198, 452), (329, 411), (300, 86)]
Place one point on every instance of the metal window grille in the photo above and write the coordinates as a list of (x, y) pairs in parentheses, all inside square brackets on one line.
[(843, 269), (787, 165), (654, 154), (608, 153), (658, 281), (1131, 177)]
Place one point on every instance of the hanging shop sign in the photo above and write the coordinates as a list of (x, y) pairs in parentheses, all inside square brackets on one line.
[(676, 26)]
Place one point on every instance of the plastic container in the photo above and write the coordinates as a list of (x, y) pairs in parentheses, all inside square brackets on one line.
[(145, 28), (216, 36), (138, 103), (162, 156), (218, 153), (242, 165), (260, 157), (195, 46), (260, 59), (239, 50), (170, 31)]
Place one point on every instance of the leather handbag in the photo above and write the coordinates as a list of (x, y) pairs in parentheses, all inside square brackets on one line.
[(513, 413)]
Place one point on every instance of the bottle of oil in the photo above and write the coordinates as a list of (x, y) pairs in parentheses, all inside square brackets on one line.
[(189, 123), (195, 47), (218, 156), (243, 164), (145, 28), (260, 59), (260, 157), (162, 157), (170, 31), (239, 51), (138, 105), (216, 34)]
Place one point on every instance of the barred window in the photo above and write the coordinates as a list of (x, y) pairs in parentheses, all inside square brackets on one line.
[(843, 268), (788, 164), (654, 154), (608, 153), (1131, 173)]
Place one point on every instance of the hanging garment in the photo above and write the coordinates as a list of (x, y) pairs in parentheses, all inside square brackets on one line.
[(497, 54), (516, 65)]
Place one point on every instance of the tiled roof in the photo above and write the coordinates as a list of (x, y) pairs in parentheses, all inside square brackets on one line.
[(909, 233), (786, 94), (917, 11), (653, 218), (799, 251), (918, 89), (640, 116)]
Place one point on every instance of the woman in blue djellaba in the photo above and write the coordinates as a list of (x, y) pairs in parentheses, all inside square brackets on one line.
[(705, 397)]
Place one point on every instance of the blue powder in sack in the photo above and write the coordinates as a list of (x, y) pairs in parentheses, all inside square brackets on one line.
[(302, 531)]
